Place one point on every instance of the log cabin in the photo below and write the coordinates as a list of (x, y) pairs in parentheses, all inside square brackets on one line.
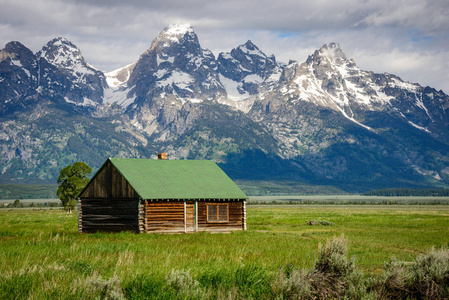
[(165, 196)]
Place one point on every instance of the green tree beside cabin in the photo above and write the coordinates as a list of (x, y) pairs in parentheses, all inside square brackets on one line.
[(71, 181)]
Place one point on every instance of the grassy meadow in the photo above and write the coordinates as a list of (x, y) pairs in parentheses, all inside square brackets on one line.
[(44, 257)]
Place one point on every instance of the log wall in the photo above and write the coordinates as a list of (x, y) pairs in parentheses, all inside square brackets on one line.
[(111, 215), (168, 216)]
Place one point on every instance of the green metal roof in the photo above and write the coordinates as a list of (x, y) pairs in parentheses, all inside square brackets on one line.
[(177, 179)]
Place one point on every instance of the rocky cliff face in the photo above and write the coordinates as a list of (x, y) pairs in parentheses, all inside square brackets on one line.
[(322, 121), (18, 77)]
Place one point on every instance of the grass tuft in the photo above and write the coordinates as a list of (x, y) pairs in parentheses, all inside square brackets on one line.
[(319, 222)]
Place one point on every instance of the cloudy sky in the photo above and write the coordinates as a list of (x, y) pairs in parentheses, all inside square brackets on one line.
[(409, 38)]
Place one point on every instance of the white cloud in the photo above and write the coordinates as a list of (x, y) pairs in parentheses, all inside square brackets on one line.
[(426, 16)]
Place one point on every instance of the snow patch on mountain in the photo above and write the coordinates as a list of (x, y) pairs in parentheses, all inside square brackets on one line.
[(181, 79), (162, 59), (118, 96), (118, 77), (253, 78), (86, 102), (404, 85), (421, 105), (160, 73), (380, 94), (275, 76), (16, 62), (419, 127), (233, 89)]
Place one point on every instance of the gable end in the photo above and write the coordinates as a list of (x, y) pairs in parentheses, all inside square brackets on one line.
[(108, 183)]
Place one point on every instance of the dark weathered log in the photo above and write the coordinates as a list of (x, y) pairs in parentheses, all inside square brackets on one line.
[(109, 229), (108, 222)]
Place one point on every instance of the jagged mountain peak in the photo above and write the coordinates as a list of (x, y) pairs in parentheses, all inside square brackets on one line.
[(66, 76), (16, 51), (174, 34), (61, 40), (248, 47), (17, 75), (177, 30), (246, 71), (175, 69), (14, 47), (328, 52), (248, 58), (332, 50), (61, 53), (330, 80)]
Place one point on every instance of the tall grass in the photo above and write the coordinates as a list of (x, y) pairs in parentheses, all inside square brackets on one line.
[(44, 257)]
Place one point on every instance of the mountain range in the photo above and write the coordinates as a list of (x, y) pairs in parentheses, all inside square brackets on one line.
[(323, 121)]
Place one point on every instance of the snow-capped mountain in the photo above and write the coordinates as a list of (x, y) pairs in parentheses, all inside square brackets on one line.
[(246, 71), (175, 67), (322, 121), (58, 73), (63, 71), (329, 79)]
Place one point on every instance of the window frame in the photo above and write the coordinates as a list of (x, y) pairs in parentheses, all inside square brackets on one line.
[(218, 212)]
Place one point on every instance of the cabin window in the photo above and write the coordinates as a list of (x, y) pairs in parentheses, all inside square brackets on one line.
[(217, 213)]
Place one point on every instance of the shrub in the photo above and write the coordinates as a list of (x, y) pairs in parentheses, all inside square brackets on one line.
[(295, 285), (106, 289), (333, 258), (184, 285), (333, 276), (425, 278)]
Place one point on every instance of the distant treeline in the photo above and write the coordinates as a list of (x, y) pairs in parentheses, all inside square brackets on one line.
[(408, 192), (28, 191)]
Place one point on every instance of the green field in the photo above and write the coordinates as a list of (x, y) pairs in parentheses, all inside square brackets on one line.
[(44, 257)]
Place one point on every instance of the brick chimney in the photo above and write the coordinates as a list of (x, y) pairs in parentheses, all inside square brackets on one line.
[(162, 156)]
